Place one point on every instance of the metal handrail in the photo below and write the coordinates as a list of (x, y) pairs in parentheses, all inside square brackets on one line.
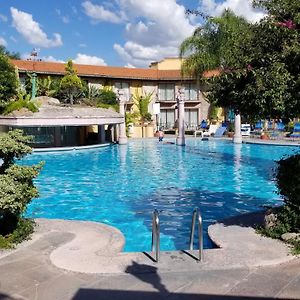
[(197, 215), (155, 234)]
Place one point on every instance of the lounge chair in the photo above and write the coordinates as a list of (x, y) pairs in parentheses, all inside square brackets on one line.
[(211, 131), (296, 131), (278, 132), (202, 127), (220, 131)]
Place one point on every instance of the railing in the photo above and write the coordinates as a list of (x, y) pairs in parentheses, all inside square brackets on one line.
[(156, 235), (197, 217)]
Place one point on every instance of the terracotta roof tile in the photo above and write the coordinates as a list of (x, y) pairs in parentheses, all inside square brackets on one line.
[(54, 68)]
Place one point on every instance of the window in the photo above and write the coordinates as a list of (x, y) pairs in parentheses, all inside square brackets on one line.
[(167, 118), (190, 91), (125, 87), (191, 118), (166, 92)]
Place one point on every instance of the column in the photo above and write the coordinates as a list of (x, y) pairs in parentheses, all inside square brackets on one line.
[(237, 138), (180, 140), (101, 134), (122, 126)]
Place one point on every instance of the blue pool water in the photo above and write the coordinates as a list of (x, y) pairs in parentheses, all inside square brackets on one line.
[(122, 185)]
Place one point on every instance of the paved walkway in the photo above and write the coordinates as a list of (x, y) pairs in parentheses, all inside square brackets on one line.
[(82, 260)]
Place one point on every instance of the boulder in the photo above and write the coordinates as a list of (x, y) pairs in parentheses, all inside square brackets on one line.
[(291, 236), (271, 217)]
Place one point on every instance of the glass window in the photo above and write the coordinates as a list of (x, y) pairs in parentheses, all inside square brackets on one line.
[(191, 118), (166, 92), (167, 118), (190, 91), (125, 87)]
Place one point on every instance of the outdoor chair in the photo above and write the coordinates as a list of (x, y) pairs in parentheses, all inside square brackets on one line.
[(296, 131), (220, 131)]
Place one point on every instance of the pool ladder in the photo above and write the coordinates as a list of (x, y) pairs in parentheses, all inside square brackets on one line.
[(155, 246)]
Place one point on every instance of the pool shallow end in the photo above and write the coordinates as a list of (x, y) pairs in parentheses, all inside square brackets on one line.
[(90, 247)]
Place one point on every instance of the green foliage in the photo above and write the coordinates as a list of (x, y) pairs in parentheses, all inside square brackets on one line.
[(288, 216), (260, 69), (219, 43), (142, 103), (11, 55), (8, 81), (16, 181), (288, 183), (23, 101), (71, 85), (107, 96), (13, 145), (24, 229), (131, 117)]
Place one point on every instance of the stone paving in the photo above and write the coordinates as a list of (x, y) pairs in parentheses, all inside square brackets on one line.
[(31, 271)]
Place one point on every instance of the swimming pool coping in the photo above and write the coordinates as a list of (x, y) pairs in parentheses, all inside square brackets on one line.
[(90, 247), (72, 148)]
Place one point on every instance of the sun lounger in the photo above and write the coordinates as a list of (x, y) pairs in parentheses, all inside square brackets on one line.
[(296, 131), (220, 131)]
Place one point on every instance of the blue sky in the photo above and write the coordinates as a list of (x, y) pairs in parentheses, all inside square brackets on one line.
[(129, 33)]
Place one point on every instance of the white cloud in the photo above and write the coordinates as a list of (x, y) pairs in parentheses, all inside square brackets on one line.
[(3, 42), (31, 30), (155, 30), (3, 18), (99, 14), (89, 60), (242, 8), (82, 45)]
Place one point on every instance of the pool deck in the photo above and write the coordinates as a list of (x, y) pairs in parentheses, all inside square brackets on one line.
[(82, 260)]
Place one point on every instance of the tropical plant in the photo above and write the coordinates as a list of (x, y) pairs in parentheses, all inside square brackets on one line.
[(16, 181), (71, 85), (8, 81), (46, 87), (264, 82), (11, 55), (141, 103), (219, 43), (23, 101)]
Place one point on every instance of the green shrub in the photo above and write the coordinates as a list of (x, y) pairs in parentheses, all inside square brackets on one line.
[(24, 229), (288, 184), (16, 183), (19, 104), (107, 96), (107, 106)]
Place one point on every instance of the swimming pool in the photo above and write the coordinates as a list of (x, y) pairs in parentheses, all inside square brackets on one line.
[(122, 185)]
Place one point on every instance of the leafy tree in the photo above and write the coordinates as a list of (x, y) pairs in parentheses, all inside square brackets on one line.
[(16, 181), (12, 55), (71, 84), (142, 102), (220, 43), (8, 81)]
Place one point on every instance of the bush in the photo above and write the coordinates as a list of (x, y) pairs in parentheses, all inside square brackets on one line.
[(19, 104), (288, 216), (288, 183), (24, 229), (16, 185)]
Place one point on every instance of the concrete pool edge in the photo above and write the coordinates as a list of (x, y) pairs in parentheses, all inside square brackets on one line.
[(71, 148), (89, 247)]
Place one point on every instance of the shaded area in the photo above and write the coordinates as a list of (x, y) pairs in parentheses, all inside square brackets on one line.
[(90, 294)]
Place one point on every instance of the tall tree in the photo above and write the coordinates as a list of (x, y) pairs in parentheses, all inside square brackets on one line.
[(8, 81), (71, 84), (220, 43), (264, 81)]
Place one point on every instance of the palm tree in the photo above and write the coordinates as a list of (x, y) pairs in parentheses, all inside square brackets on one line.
[(216, 45)]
